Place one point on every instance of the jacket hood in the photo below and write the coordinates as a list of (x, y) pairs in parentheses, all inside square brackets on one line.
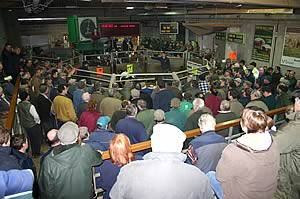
[(165, 156), (256, 141), (67, 158)]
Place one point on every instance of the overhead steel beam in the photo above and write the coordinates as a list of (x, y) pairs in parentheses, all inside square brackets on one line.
[(273, 3), (242, 11)]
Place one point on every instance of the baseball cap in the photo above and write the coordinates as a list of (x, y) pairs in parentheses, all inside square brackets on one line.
[(103, 121)]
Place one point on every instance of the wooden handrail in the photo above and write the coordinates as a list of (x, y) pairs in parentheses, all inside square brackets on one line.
[(11, 115), (196, 132)]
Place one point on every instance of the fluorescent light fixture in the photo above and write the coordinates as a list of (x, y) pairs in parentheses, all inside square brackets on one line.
[(129, 8), (42, 19), (86, 0), (10, 10)]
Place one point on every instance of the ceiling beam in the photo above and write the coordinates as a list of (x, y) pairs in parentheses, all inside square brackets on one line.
[(205, 24), (242, 11), (273, 3)]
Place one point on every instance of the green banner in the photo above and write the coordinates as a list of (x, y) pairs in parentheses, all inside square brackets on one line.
[(262, 44)]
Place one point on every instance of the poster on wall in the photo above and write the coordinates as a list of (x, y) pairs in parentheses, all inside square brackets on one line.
[(86, 25), (262, 44), (291, 49)]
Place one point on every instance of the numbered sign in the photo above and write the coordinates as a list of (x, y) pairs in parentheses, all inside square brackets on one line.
[(194, 71)]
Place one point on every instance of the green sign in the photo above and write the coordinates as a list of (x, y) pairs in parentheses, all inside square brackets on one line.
[(221, 36), (235, 37), (262, 44)]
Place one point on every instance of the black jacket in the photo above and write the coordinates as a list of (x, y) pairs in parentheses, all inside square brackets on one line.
[(7, 161), (44, 108)]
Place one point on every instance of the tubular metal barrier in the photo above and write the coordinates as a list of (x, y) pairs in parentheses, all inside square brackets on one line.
[(196, 132)]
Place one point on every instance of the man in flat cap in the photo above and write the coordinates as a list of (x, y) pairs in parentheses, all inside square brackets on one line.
[(67, 171)]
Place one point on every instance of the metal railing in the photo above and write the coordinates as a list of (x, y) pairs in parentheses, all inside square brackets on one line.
[(196, 132)]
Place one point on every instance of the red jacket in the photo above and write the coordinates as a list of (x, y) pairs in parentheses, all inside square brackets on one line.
[(89, 119), (213, 102)]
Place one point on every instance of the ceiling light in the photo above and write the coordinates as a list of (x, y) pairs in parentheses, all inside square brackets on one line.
[(238, 6), (86, 0), (129, 8), (10, 10), (42, 19)]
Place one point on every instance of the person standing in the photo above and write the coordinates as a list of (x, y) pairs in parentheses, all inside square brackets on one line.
[(164, 62), (63, 107), (44, 110), (67, 171), (30, 120), (288, 140), (7, 60)]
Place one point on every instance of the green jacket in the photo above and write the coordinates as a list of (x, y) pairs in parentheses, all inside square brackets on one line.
[(66, 172), (176, 118), (147, 118), (288, 140)]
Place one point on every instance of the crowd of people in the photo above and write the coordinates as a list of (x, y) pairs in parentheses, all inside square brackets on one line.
[(81, 122), (169, 45)]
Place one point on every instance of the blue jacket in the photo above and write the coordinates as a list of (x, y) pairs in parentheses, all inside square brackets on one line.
[(134, 129), (77, 100), (208, 137), (15, 181), (163, 99), (100, 139), (108, 175)]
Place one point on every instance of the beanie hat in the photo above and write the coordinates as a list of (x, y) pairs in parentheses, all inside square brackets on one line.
[(68, 133), (103, 121), (167, 138)]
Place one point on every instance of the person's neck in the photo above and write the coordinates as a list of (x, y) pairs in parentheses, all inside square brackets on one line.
[(22, 150), (267, 94)]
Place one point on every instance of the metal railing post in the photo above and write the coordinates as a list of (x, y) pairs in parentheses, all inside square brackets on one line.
[(230, 134)]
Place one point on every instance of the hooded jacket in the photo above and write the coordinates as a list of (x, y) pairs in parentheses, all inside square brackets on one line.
[(251, 173), (161, 175), (288, 140), (67, 172)]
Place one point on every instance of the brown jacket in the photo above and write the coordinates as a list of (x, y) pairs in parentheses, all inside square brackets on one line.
[(248, 175), (109, 105)]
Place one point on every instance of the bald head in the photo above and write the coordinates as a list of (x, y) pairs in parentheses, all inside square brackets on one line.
[(52, 137)]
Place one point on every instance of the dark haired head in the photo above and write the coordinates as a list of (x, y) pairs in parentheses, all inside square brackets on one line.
[(17, 141), (23, 95), (61, 88), (234, 93), (267, 89), (161, 83)]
